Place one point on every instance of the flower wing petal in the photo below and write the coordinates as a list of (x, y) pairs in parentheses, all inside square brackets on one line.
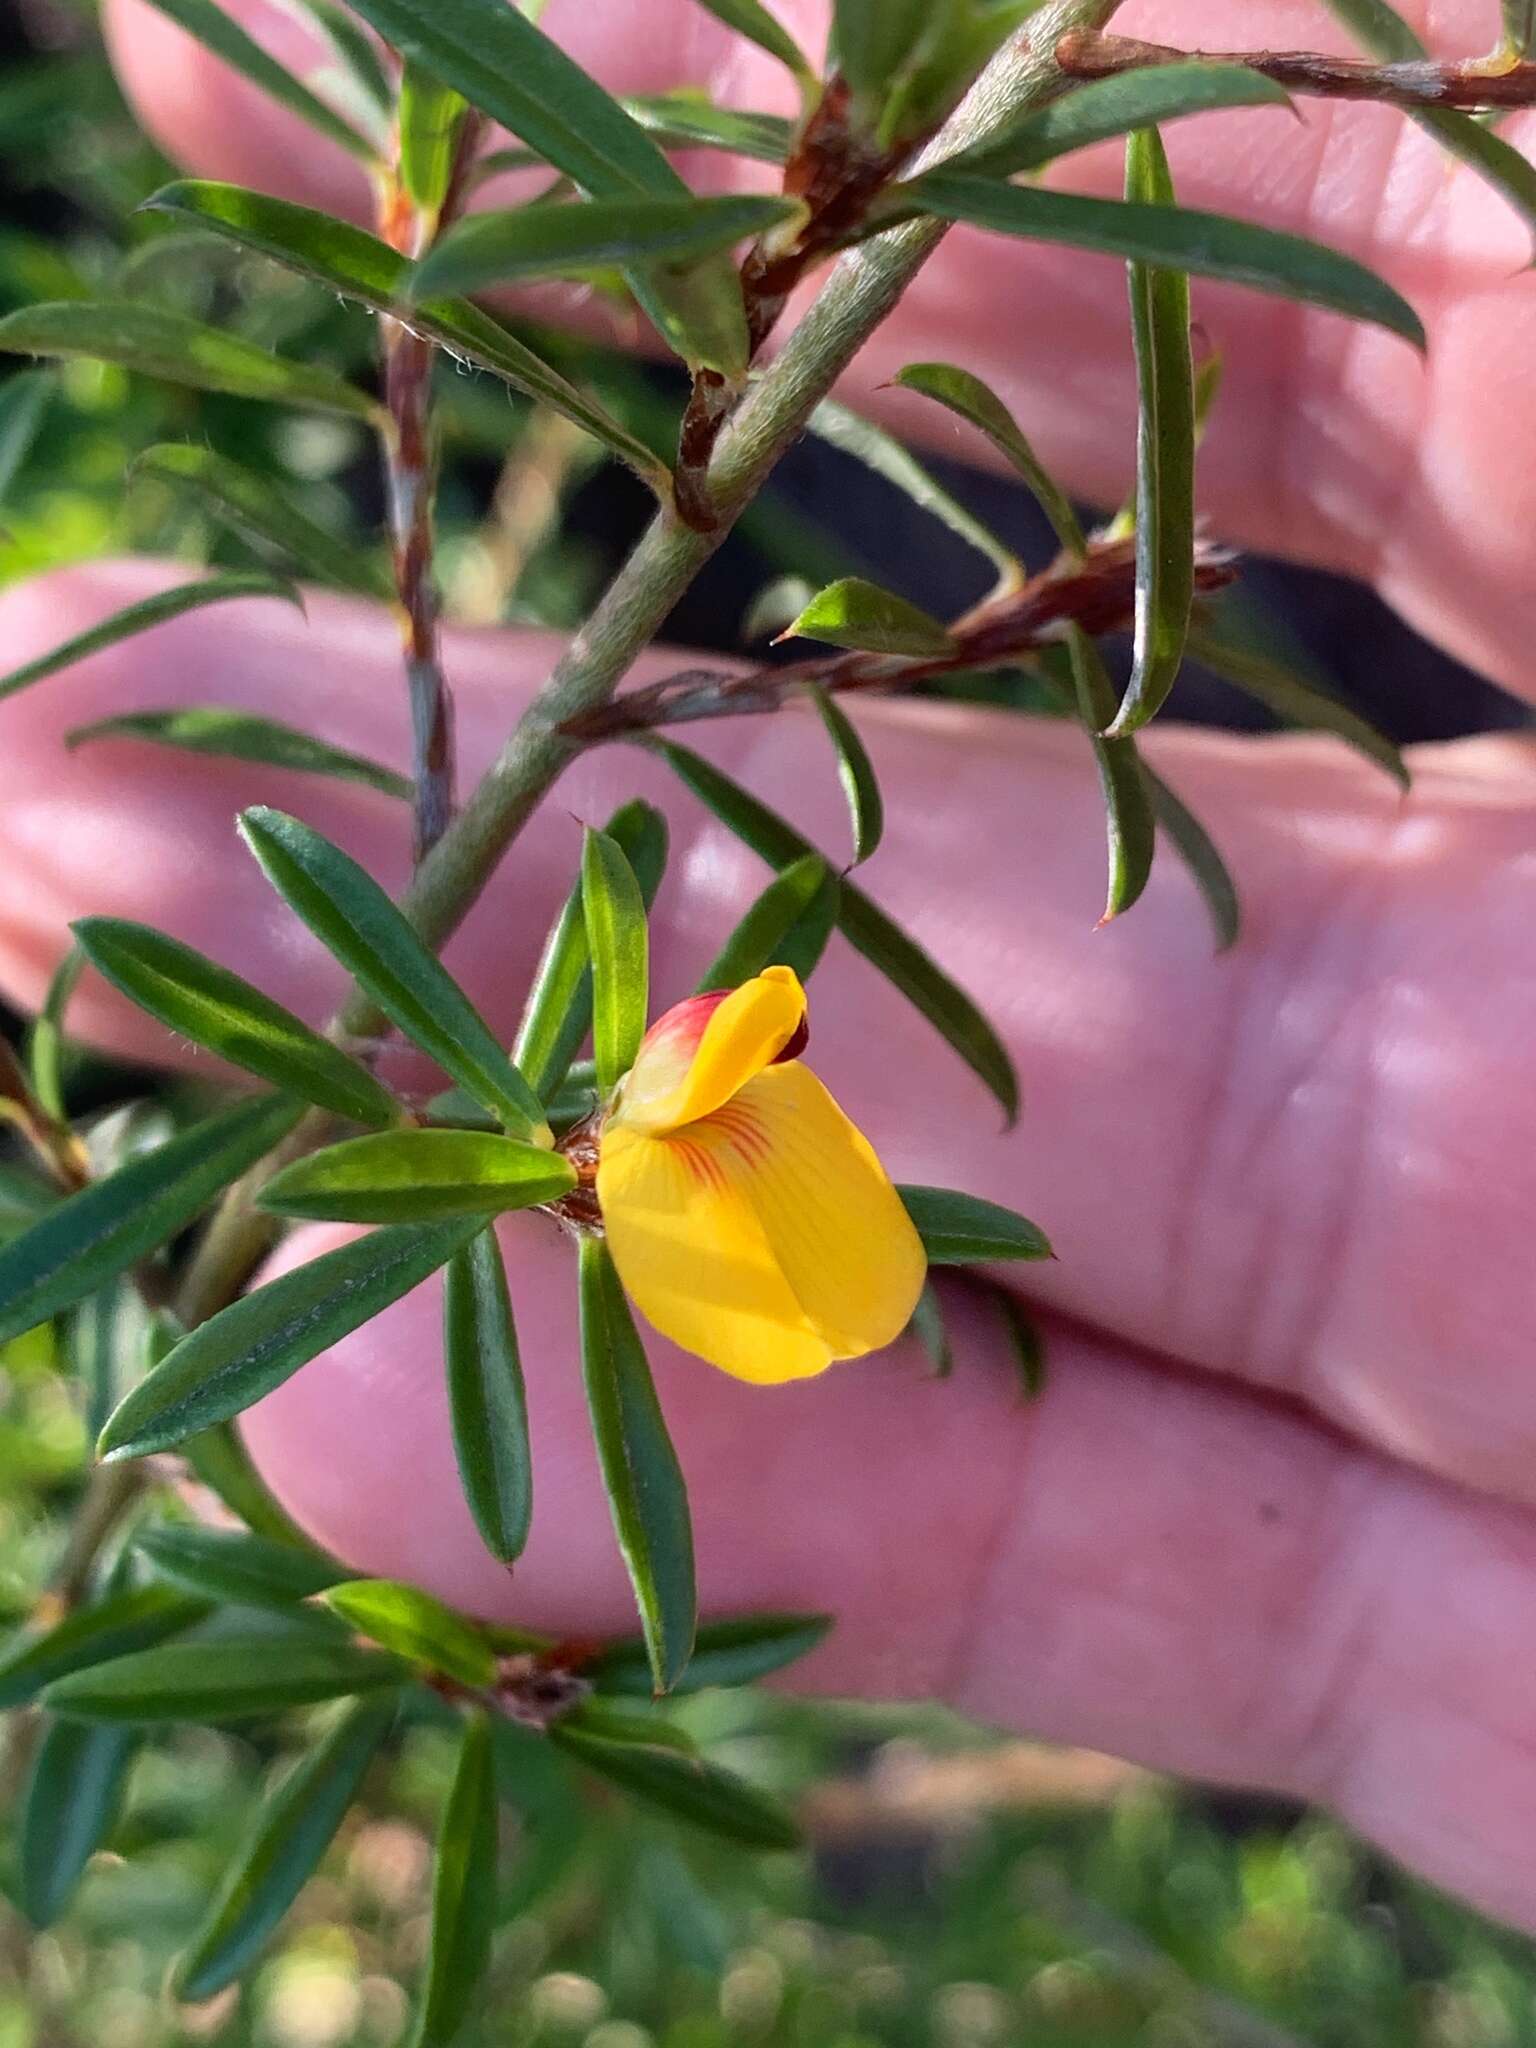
[(744, 1033), (835, 1225), (695, 1261)]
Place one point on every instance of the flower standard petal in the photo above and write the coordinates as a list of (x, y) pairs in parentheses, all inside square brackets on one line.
[(702, 1052)]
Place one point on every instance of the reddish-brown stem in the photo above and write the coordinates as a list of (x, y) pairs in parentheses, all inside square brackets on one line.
[(835, 171), (409, 458), (1413, 85), (1099, 595)]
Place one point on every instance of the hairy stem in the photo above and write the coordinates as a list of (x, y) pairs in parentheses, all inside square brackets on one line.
[(861, 292), (1413, 85), (859, 295)]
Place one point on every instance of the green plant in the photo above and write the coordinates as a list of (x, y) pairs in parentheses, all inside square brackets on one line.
[(924, 117)]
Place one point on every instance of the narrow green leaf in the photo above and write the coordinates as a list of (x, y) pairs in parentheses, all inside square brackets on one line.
[(1274, 684), (354, 919), (429, 117), (95, 1235), (1025, 1342), (875, 40), (1128, 821), (198, 999), (72, 1801), (418, 1177), (641, 1475), (855, 771), (857, 614), (789, 926), (214, 27), (45, 1045), (233, 1568), (1384, 35), (961, 1230), (1176, 238), (1519, 17), (966, 395), (751, 19), (558, 1012), (613, 911), (259, 1341), (516, 243), (227, 1680), (508, 69), (884, 454), (1108, 107), (292, 1830), (24, 400), (724, 1653), (1200, 855), (135, 1619), (359, 266), (243, 736), (690, 120), (250, 503), (504, 66), (865, 926), (141, 616), (1165, 456), (931, 1330), (413, 1625), (695, 1791), (486, 1397), (464, 1890), (159, 343)]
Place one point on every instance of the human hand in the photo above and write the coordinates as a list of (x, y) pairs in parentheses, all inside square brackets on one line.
[(1272, 1521)]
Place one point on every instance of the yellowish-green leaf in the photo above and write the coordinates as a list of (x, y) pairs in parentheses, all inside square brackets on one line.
[(517, 243), (418, 1177), (967, 395), (160, 343), (613, 911), (416, 1627), (1165, 456), (857, 614)]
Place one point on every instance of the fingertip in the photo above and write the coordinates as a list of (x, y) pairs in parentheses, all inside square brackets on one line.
[(210, 120)]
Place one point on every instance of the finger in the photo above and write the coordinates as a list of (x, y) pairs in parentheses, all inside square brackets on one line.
[(1157, 1568), (1309, 1161), (1332, 442)]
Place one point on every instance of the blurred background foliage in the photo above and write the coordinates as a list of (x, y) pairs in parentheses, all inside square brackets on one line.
[(959, 1892)]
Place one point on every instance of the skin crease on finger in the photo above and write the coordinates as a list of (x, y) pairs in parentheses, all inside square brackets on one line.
[(1333, 442), (1319, 1145), (1310, 1204)]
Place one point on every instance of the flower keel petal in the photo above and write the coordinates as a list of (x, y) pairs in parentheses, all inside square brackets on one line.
[(696, 1057)]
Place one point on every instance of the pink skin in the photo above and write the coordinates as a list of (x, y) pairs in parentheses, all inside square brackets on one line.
[(1272, 1522)]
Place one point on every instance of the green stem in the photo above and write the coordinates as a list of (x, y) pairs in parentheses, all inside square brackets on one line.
[(859, 295)]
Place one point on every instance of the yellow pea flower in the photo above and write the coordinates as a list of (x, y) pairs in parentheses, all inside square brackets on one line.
[(749, 1221)]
